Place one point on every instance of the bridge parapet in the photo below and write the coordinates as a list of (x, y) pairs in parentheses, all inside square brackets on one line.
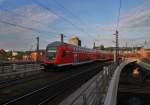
[(111, 95), (94, 91), (100, 90)]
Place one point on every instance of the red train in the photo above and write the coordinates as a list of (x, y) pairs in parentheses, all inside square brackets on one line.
[(57, 55)]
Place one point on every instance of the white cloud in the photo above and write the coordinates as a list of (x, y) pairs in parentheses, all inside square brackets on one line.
[(30, 16), (136, 18), (134, 23)]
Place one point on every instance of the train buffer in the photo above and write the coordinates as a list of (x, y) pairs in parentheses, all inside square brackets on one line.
[(101, 89)]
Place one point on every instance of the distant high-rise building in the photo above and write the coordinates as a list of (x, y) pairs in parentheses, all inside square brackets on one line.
[(75, 41)]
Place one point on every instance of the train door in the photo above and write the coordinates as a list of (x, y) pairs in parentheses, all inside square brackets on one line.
[(75, 56)]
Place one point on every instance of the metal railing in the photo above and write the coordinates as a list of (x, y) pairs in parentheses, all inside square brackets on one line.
[(96, 91), (16, 68)]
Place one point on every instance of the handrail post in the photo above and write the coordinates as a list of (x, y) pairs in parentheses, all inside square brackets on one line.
[(97, 91), (84, 99)]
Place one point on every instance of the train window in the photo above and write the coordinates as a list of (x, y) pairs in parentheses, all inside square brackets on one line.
[(51, 52)]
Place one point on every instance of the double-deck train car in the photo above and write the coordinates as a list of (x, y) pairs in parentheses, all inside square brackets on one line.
[(58, 54)]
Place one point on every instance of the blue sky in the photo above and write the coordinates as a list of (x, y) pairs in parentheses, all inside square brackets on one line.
[(91, 20)]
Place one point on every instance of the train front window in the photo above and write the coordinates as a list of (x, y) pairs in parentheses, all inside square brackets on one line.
[(51, 53)]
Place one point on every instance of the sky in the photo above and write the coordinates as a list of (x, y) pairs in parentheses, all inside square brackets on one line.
[(21, 21)]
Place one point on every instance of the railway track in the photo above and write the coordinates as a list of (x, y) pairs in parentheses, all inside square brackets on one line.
[(50, 92), (12, 82)]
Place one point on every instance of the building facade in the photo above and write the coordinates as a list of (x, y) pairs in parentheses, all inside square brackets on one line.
[(74, 40)]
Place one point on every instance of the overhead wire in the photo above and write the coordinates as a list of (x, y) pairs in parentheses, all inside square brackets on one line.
[(62, 17), (51, 11), (72, 14), (21, 26), (69, 12), (118, 17), (24, 27), (37, 30), (18, 14)]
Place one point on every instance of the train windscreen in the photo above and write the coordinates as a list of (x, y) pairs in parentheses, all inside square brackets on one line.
[(51, 52), (52, 49)]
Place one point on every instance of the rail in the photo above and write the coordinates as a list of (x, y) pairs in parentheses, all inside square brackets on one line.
[(49, 92), (18, 62)]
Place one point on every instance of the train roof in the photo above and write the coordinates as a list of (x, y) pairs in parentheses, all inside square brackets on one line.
[(56, 43)]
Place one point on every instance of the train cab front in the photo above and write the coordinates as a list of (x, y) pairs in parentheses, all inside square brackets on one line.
[(50, 58), (49, 63)]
